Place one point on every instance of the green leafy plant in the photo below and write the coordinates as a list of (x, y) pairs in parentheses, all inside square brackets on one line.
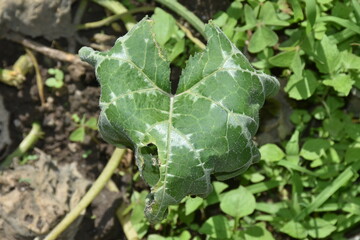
[(57, 81), (78, 135), (305, 184), (180, 139)]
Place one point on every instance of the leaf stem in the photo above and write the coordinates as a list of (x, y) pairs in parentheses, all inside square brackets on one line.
[(117, 8), (80, 11), (113, 18), (236, 224), (29, 141), (185, 13), (39, 81), (90, 195), (188, 33)]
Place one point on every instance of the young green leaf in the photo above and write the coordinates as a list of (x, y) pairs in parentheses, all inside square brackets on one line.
[(78, 135), (319, 228), (91, 123), (313, 149), (192, 204), (301, 88), (258, 231), (268, 15), (57, 80), (164, 26), (205, 128), (238, 203), (327, 56), (342, 83), (271, 153), (294, 229)]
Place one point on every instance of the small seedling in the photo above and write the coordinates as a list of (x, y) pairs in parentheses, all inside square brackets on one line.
[(25, 159), (86, 154), (78, 135), (57, 81)]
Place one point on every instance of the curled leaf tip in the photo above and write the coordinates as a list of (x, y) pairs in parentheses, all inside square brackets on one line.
[(87, 54)]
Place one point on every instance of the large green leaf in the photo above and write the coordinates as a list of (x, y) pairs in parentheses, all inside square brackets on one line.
[(180, 139)]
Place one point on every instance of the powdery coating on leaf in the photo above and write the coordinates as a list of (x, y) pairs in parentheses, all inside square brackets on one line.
[(205, 128)]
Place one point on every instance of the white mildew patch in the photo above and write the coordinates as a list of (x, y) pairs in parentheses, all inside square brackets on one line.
[(146, 40), (193, 97), (224, 54), (188, 136), (197, 153), (151, 93), (162, 111), (231, 64), (213, 105), (140, 135), (120, 55), (232, 73), (130, 96), (112, 95), (179, 140), (145, 79), (162, 130), (103, 104), (200, 165), (240, 120), (113, 98)]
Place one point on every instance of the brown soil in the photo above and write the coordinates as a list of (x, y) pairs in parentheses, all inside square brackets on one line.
[(80, 96)]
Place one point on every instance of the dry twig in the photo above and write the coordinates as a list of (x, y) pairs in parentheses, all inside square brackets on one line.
[(50, 52)]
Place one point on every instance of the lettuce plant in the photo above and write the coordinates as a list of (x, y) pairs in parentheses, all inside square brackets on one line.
[(179, 140)]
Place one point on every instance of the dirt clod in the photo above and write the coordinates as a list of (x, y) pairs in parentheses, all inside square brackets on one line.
[(28, 190)]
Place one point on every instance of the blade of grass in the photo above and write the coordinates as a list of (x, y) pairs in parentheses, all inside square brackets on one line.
[(323, 196), (356, 6), (342, 22), (310, 10), (328, 207), (108, 20), (270, 208), (342, 36), (117, 8), (297, 189), (293, 166), (263, 186)]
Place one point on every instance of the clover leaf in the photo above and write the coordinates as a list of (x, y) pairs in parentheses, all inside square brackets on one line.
[(180, 139)]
